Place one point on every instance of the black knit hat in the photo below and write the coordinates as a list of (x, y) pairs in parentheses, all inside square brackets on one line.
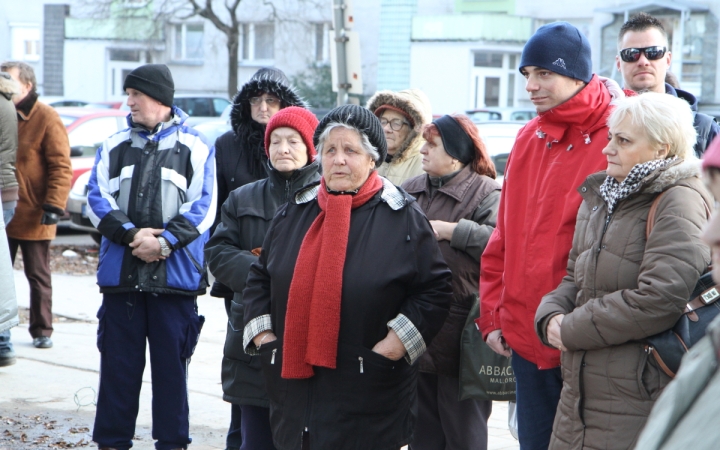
[(153, 80), (561, 48), (363, 120)]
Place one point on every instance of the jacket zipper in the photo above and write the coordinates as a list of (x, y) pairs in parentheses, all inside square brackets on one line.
[(360, 358), (272, 359), (599, 248)]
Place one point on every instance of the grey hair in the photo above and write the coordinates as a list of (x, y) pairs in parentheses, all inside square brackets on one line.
[(26, 74), (369, 149), (666, 120)]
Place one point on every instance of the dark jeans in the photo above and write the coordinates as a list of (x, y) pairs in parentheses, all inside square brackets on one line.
[(256, 432), (36, 260), (170, 324), (538, 393), (444, 422)]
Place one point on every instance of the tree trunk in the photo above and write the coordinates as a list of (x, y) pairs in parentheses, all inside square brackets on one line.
[(232, 45)]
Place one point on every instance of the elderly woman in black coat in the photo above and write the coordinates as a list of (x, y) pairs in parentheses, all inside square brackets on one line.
[(246, 217), (349, 291)]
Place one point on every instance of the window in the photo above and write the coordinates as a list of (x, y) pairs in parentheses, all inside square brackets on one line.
[(25, 42), (120, 54), (187, 42), (258, 41), (483, 59)]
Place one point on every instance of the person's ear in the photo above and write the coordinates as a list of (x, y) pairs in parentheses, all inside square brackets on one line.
[(663, 151)]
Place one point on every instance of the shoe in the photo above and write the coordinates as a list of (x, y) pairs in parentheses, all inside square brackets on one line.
[(42, 342), (7, 358)]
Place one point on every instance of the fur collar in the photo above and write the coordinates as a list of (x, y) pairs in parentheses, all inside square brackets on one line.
[(673, 174)]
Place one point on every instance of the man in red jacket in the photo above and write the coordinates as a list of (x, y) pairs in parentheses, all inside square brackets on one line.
[(527, 254)]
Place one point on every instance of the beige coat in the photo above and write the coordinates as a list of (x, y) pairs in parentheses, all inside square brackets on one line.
[(407, 162), (44, 171), (621, 288)]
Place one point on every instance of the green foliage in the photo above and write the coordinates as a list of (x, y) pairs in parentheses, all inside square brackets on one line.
[(315, 86)]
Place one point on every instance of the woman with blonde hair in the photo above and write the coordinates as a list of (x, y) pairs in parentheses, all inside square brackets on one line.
[(621, 285)]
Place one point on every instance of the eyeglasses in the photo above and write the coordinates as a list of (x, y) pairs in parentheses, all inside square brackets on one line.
[(270, 101), (651, 53), (395, 124)]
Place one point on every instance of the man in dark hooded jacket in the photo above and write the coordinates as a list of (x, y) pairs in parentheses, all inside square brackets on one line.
[(644, 60), (241, 159)]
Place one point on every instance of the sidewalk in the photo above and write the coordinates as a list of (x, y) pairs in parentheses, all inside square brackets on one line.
[(64, 379)]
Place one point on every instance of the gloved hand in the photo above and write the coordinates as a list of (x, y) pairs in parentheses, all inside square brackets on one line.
[(49, 218), (51, 215)]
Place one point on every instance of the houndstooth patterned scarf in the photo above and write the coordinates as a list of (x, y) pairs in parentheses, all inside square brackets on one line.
[(612, 191)]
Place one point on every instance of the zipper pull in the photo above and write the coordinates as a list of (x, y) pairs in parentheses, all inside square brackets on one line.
[(272, 360), (360, 358)]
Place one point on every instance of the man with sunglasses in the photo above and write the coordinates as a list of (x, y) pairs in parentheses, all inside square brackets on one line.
[(644, 59)]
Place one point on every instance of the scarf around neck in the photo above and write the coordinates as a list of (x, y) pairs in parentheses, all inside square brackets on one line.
[(312, 321), (612, 191)]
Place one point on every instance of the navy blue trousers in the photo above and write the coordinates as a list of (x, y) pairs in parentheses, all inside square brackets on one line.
[(171, 326), (538, 394)]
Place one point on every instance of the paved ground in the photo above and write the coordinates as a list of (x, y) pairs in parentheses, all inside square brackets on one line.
[(49, 394)]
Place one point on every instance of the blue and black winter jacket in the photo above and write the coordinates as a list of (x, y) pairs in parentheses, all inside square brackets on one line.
[(165, 179)]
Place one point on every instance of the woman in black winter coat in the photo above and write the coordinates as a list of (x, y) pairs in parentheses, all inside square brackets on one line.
[(349, 289), (240, 159), (460, 197), (234, 246)]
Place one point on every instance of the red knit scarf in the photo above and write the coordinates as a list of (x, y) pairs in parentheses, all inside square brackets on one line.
[(312, 322)]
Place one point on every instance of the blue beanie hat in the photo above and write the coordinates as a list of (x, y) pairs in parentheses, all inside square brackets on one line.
[(561, 48)]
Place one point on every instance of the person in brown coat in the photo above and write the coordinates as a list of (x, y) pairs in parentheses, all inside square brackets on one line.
[(460, 197), (44, 174), (622, 287)]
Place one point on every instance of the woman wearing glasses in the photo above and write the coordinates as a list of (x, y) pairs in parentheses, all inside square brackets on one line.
[(460, 197), (402, 115)]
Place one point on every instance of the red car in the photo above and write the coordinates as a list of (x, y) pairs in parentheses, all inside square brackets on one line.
[(87, 128)]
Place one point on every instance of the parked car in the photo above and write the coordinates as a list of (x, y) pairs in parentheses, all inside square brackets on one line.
[(199, 108), (502, 114), (87, 128), (104, 105), (58, 102), (499, 138), (213, 129)]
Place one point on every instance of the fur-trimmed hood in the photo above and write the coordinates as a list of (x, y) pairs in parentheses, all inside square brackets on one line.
[(8, 86), (416, 104), (272, 81)]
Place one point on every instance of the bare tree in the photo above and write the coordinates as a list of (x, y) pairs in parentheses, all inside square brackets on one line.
[(226, 18)]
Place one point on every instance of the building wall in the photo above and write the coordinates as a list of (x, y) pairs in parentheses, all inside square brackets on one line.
[(442, 71)]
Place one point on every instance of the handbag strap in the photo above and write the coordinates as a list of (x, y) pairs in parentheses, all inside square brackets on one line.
[(653, 212)]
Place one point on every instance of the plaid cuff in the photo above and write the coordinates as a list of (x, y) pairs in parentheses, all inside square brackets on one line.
[(410, 337), (252, 329)]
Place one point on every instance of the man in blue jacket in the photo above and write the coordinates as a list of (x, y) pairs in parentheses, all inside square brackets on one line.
[(152, 195), (643, 60)]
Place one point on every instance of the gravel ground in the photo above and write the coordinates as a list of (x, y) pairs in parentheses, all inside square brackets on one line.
[(83, 262)]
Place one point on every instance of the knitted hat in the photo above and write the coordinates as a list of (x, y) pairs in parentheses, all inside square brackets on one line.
[(711, 157), (561, 48), (300, 120), (361, 119), (153, 80)]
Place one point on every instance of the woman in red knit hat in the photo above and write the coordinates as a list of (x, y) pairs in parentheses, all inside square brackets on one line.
[(235, 245)]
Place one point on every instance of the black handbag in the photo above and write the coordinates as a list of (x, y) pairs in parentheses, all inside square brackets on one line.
[(668, 347)]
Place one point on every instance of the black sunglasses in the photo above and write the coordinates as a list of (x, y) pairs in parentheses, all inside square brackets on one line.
[(633, 54)]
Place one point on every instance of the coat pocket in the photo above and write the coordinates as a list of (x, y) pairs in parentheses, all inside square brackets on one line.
[(271, 361), (234, 336), (371, 384), (192, 336)]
